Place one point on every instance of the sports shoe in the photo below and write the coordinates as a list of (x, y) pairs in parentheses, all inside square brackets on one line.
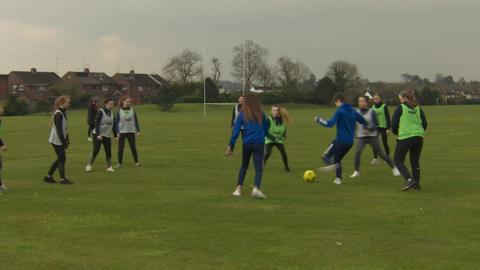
[(287, 170), (49, 179), (118, 166), (329, 168), (355, 174), (138, 164), (88, 168), (110, 169), (395, 171), (375, 162), (66, 182), (237, 192), (327, 160), (2, 188), (258, 194), (417, 187), (409, 184), (338, 181), (89, 139)]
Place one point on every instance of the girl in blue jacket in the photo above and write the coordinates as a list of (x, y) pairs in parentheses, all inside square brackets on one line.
[(255, 126)]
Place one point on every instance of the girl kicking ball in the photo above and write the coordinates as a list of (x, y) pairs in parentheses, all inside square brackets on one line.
[(102, 135), (255, 125), (277, 134), (345, 118), (409, 123), (59, 140), (128, 128), (369, 136), (384, 123)]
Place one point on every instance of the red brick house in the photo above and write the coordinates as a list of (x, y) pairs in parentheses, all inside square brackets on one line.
[(3, 86), (31, 84), (140, 87), (98, 84)]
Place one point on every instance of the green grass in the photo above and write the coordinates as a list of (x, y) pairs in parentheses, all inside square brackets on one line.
[(177, 212)]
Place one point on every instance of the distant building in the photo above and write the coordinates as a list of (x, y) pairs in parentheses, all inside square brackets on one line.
[(31, 84), (262, 89), (3, 86), (139, 86), (98, 84)]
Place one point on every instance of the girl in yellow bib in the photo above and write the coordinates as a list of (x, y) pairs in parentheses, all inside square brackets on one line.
[(409, 124), (277, 134)]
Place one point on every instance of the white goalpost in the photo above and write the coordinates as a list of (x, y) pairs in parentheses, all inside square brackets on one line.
[(204, 77)]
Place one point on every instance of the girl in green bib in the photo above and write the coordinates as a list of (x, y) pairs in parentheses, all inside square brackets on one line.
[(409, 124), (384, 123), (277, 134)]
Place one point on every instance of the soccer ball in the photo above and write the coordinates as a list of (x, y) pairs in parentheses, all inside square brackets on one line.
[(309, 176)]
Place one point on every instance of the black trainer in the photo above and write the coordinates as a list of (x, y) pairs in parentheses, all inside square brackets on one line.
[(287, 170), (417, 187), (410, 184), (66, 182), (50, 180)]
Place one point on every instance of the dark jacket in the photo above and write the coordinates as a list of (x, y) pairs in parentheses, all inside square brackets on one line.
[(58, 122), (92, 113)]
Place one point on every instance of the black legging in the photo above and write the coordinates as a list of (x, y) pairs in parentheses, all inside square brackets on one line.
[(59, 163), (283, 152), (107, 146), (383, 133), (121, 145), (413, 145)]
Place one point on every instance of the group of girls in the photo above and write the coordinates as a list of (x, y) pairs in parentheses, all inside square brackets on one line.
[(105, 125), (262, 133), (408, 123)]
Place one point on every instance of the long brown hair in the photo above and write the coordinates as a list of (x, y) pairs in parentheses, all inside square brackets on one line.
[(59, 101), (252, 109), (409, 97), (283, 113), (122, 99)]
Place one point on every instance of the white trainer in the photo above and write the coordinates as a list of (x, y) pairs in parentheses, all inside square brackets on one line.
[(237, 192), (355, 174), (88, 168), (89, 139), (395, 171), (375, 162), (329, 168), (258, 194), (110, 169), (338, 181)]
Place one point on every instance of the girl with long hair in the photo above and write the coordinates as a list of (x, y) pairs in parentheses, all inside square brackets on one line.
[(59, 139), (409, 124), (127, 126), (277, 134), (102, 135), (255, 125)]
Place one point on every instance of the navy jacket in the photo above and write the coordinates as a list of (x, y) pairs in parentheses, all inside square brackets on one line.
[(345, 118), (254, 133)]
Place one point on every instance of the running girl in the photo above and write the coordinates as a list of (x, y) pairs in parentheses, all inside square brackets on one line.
[(369, 136), (383, 117), (59, 139), (277, 134), (255, 126), (409, 123), (345, 118), (102, 135), (127, 126)]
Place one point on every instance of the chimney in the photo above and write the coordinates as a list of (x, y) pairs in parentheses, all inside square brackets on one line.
[(33, 70), (86, 70)]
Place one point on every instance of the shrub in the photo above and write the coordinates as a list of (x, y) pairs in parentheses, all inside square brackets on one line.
[(16, 106)]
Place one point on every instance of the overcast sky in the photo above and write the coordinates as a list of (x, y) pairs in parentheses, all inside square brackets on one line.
[(385, 38)]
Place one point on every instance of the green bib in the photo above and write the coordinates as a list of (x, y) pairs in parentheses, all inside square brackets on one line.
[(276, 131), (410, 123), (382, 118)]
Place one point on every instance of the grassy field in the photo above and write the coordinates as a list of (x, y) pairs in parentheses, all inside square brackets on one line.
[(177, 211)]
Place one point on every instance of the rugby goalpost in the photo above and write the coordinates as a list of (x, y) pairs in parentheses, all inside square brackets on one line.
[(204, 77)]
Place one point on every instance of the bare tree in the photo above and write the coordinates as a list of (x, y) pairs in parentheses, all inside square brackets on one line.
[(292, 73), (248, 58), (216, 69), (343, 73), (265, 75), (184, 67)]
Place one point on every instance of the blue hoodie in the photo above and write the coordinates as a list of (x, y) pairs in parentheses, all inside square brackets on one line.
[(345, 118), (254, 132)]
